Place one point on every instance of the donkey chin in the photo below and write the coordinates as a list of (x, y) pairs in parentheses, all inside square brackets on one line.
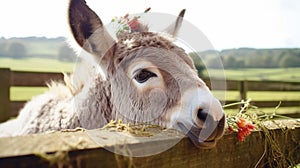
[(205, 137)]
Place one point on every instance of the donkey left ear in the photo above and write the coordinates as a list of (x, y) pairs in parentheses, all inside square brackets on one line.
[(174, 28), (88, 29)]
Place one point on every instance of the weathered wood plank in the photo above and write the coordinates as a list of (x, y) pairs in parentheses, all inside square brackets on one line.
[(16, 106), (4, 94), (243, 88), (78, 150), (289, 103), (259, 85), (264, 104), (19, 78), (273, 86)]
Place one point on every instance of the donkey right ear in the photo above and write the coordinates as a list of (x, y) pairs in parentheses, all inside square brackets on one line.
[(88, 29), (174, 28)]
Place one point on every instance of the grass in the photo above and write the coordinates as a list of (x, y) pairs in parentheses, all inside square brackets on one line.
[(25, 93), (36, 64), (274, 74), (279, 111), (259, 95)]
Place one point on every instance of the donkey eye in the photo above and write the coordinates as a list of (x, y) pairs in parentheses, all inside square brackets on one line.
[(144, 75)]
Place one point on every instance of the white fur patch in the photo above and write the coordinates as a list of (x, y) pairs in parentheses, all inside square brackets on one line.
[(129, 42), (167, 36), (60, 90)]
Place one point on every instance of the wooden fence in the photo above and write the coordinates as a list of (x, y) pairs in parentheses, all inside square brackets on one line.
[(277, 148), (10, 78)]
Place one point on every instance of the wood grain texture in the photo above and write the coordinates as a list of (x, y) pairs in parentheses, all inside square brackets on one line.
[(19, 78), (77, 149), (4, 94)]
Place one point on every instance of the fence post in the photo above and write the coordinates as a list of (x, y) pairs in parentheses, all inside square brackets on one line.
[(4, 94), (243, 90)]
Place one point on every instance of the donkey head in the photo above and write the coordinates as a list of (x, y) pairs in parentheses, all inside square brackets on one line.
[(152, 80)]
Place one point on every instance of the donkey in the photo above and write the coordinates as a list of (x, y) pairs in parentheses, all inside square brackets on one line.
[(145, 79)]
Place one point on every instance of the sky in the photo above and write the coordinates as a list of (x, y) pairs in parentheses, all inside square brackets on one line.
[(227, 24)]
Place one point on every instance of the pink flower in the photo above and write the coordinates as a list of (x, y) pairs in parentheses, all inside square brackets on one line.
[(134, 24)]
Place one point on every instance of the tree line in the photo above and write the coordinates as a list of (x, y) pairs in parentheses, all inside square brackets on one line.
[(20, 48), (248, 58), (57, 48)]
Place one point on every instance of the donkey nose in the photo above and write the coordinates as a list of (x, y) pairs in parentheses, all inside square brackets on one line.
[(208, 116), (201, 115)]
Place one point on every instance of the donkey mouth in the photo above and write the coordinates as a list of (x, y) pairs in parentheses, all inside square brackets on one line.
[(206, 142), (198, 142)]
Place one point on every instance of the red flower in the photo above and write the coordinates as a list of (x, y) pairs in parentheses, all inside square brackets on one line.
[(250, 126), (241, 123), (241, 136), (244, 128), (230, 129)]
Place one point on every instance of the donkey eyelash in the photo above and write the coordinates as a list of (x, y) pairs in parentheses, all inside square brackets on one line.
[(143, 75)]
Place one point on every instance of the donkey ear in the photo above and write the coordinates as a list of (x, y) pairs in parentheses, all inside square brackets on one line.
[(174, 28), (88, 29)]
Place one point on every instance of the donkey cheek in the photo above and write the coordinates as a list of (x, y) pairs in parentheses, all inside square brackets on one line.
[(158, 102)]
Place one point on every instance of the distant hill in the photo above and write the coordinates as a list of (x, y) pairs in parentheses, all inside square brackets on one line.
[(40, 47), (57, 48), (252, 58)]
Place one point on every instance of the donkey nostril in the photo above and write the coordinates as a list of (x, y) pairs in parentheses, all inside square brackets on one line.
[(201, 115)]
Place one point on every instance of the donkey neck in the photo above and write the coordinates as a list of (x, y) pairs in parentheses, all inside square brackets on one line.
[(93, 104)]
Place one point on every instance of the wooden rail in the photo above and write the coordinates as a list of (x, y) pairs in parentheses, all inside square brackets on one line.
[(10, 78), (78, 149)]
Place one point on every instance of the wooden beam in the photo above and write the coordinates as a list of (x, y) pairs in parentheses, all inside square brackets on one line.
[(243, 88), (258, 85), (19, 78), (271, 103), (4, 94), (16, 106), (77, 149)]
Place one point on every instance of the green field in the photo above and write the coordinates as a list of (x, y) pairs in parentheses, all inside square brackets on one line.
[(273, 74), (36, 64), (259, 95), (50, 65)]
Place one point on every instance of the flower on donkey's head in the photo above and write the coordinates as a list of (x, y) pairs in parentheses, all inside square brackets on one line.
[(127, 25), (134, 24)]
